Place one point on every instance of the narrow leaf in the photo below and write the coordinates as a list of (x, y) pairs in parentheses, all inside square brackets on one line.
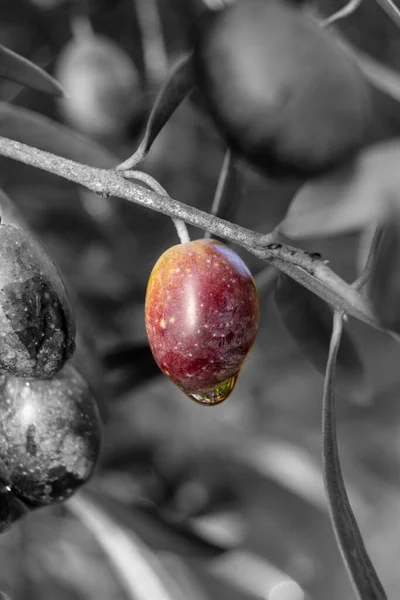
[(308, 319), (36, 130), (347, 199), (176, 88), (140, 572), (155, 531), (340, 202), (23, 71), (348, 536), (384, 283), (380, 75)]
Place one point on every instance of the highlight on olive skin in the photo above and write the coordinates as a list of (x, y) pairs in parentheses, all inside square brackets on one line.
[(201, 315), (50, 436)]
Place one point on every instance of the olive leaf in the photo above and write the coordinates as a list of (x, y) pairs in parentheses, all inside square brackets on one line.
[(354, 554), (176, 88), (41, 132), (384, 283), (308, 319), (23, 71), (347, 199), (377, 73), (156, 532), (139, 571)]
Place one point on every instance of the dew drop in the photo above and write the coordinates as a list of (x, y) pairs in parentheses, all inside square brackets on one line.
[(217, 395)]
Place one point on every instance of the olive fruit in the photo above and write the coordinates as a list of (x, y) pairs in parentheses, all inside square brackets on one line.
[(201, 315), (101, 83), (37, 327), (280, 89), (49, 435)]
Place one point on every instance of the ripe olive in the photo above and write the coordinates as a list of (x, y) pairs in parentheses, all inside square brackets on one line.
[(37, 327), (49, 436), (280, 89), (201, 316)]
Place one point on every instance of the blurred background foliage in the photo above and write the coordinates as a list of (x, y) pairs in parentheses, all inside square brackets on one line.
[(187, 502)]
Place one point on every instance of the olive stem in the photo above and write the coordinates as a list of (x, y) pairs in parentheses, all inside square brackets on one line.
[(391, 10), (342, 13), (369, 265), (227, 196), (306, 268), (153, 184), (354, 554)]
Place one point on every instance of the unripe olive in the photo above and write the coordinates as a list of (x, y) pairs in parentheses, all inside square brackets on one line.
[(280, 89), (37, 328), (201, 316), (49, 435), (101, 83)]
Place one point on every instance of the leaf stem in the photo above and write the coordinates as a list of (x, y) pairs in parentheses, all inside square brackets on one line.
[(227, 195), (153, 184), (369, 265), (342, 13), (354, 554)]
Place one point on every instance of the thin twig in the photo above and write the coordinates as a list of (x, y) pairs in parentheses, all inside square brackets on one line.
[(153, 184), (342, 13), (354, 554), (308, 269), (369, 265), (391, 10), (221, 196)]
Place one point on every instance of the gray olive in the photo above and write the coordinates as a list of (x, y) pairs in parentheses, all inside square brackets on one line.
[(37, 327)]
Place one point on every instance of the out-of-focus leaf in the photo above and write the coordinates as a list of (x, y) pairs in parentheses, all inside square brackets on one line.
[(23, 71), (30, 128), (384, 284), (340, 202), (9, 213), (139, 570), (380, 75), (256, 576), (176, 88), (157, 532), (347, 199), (309, 319)]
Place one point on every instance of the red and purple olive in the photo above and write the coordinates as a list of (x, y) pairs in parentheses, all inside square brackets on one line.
[(37, 327), (201, 315), (280, 89), (50, 435)]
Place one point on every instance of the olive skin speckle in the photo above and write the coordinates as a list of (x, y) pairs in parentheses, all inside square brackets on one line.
[(49, 436), (37, 327), (201, 314)]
